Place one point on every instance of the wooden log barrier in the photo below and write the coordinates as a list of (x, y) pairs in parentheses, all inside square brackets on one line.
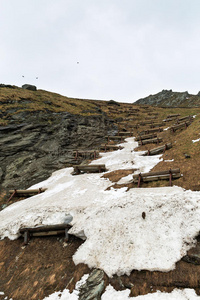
[(159, 175), (125, 133), (157, 125), (106, 147), (150, 141), (158, 150), (180, 126), (149, 131), (146, 123), (45, 230), (145, 137), (21, 193), (173, 116), (86, 153), (116, 138), (78, 169), (187, 118)]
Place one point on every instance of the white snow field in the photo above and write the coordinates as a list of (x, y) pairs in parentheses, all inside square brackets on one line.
[(176, 294), (118, 239)]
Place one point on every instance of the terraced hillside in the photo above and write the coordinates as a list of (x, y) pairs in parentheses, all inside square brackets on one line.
[(38, 135)]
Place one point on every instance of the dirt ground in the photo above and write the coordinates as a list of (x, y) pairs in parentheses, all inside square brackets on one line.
[(45, 265), (34, 271)]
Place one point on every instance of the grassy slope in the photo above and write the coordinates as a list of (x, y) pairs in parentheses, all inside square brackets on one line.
[(13, 101)]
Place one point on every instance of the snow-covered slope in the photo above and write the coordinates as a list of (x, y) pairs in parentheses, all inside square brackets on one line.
[(118, 239)]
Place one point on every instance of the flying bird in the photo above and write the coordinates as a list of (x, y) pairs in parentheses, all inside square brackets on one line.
[(36, 77), (77, 62), (22, 75)]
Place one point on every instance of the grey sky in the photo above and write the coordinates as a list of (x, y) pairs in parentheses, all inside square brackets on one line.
[(126, 49)]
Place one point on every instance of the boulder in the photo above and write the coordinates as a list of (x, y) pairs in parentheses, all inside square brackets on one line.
[(29, 87), (113, 102)]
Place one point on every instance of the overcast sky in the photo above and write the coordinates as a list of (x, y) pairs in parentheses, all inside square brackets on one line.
[(101, 49)]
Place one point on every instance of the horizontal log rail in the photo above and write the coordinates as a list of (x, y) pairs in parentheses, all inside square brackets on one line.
[(184, 119), (150, 141), (86, 153), (156, 125), (180, 126), (116, 137), (145, 136), (173, 116), (168, 120), (89, 169), (21, 193), (106, 147), (125, 133), (149, 131), (146, 123), (157, 150), (159, 175)]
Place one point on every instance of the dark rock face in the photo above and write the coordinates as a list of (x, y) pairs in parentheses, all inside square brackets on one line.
[(168, 98), (44, 142), (94, 286), (29, 87)]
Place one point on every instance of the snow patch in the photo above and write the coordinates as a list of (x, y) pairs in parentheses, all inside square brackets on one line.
[(194, 141), (65, 295), (176, 294)]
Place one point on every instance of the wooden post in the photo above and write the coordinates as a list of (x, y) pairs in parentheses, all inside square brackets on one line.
[(165, 148), (139, 180), (26, 237), (77, 170), (170, 177), (66, 235), (13, 194)]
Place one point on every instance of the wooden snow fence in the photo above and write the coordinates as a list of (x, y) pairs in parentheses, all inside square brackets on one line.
[(47, 230), (78, 169), (157, 150), (173, 116), (86, 153), (146, 123), (150, 141), (145, 136), (159, 175), (125, 133), (25, 193), (187, 118), (107, 147), (116, 138), (180, 126), (149, 131), (156, 125)]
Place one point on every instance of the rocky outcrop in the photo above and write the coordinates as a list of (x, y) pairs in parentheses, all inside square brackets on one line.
[(41, 143), (29, 87), (94, 286), (168, 98)]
